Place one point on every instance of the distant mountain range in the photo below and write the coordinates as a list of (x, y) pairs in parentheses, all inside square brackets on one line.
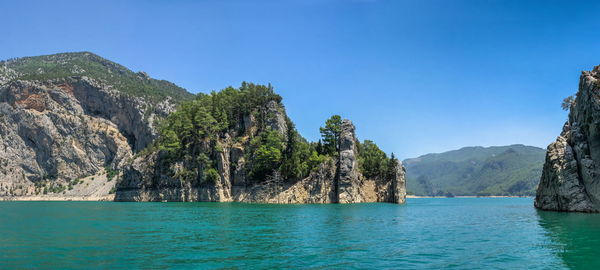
[(512, 170)]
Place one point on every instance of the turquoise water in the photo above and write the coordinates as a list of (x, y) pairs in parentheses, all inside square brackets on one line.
[(454, 233)]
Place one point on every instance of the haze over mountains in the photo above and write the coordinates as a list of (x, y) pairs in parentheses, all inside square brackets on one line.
[(512, 170)]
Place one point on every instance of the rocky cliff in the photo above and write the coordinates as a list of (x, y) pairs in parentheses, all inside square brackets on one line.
[(337, 180), (571, 177), (63, 128), (75, 126)]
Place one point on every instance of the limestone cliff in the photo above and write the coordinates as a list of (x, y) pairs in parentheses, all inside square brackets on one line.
[(60, 134), (75, 126), (337, 180), (571, 177)]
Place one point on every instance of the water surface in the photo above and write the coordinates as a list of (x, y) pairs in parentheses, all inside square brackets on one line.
[(453, 233)]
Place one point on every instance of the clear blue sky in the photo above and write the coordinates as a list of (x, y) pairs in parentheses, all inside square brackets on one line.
[(415, 76)]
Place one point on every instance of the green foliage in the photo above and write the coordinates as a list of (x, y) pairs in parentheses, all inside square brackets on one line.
[(207, 117), (191, 132), (316, 159), (331, 135), (185, 174), (62, 65), (506, 170), (567, 102), (300, 156), (169, 140), (54, 188), (373, 161), (265, 154), (211, 175), (111, 173), (194, 133)]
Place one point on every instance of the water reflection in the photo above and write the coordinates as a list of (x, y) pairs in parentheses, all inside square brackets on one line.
[(575, 237)]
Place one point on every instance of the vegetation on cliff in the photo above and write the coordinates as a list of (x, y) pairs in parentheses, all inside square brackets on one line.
[(62, 65), (200, 126), (124, 125)]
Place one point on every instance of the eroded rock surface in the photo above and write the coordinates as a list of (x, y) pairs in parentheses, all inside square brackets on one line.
[(77, 126), (570, 178), (337, 180), (53, 132)]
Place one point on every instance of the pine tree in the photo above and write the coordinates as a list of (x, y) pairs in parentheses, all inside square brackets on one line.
[(331, 135), (319, 147)]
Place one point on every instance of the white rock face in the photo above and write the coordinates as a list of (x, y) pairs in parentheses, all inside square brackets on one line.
[(571, 176), (54, 132), (348, 182), (337, 180)]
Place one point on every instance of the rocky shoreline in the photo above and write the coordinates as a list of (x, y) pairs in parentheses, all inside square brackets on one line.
[(335, 181)]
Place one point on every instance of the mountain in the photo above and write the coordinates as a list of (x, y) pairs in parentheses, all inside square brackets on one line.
[(86, 64), (572, 168), (476, 171), (69, 120), (75, 126)]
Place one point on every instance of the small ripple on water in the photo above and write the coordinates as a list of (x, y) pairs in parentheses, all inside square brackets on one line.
[(505, 233)]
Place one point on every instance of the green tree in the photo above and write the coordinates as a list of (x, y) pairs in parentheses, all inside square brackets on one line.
[(169, 141), (319, 147), (266, 154), (391, 166), (373, 162), (193, 134), (567, 102), (331, 135), (205, 124), (211, 175), (315, 160), (298, 152)]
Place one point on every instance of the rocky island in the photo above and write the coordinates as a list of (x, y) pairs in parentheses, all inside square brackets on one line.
[(571, 171), (75, 126)]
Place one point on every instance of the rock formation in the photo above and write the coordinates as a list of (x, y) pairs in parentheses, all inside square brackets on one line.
[(335, 181), (75, 126), (57, 132), (571, 177)]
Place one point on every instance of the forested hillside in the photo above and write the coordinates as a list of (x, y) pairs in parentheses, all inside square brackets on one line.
[(476, 171)]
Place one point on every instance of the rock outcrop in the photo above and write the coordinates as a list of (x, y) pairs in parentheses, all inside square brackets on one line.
[(571, 177), (337, 180), (56, 132), (347, 179), (75, 126)]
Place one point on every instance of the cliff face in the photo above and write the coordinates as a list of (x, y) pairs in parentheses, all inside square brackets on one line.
[(336, 180), (61, 137), (75, 126), (570, 178)]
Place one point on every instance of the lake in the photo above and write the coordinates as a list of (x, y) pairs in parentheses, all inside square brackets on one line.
[(432, 233)]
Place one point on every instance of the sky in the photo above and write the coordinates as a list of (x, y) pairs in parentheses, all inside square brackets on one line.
[(416, 76)]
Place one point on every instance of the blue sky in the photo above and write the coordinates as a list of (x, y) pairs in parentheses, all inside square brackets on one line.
[(414, 76)]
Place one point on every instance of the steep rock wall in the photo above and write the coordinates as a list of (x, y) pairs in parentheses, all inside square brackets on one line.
[(336, 180), (53, 132), (571, 178)]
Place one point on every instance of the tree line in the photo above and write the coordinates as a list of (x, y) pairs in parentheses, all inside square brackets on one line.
[(194, 134)]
